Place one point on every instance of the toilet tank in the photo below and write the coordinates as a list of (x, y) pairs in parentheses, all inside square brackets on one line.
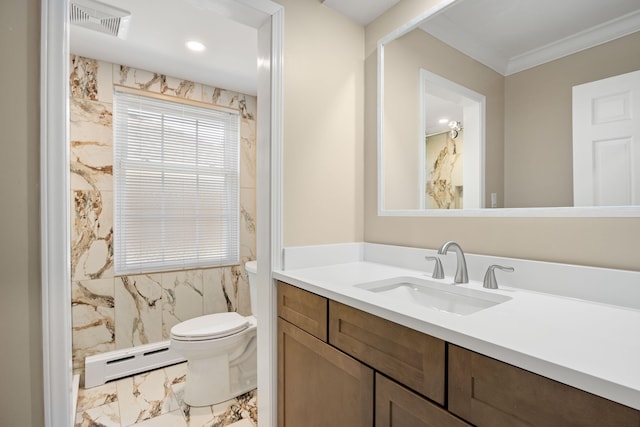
[(252, 270)]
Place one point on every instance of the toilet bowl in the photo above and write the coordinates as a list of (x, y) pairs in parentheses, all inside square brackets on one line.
[(221, 354)]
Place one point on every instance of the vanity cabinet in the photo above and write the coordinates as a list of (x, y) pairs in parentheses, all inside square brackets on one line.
[(487, 392), (336, 363), (318, 385), (328, 354)]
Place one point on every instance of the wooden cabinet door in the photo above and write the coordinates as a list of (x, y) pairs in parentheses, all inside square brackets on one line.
[(408, 356), (487, 392), (319, 386), (397, 406), (304, 309)]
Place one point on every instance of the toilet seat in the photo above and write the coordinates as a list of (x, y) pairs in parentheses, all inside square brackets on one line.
[(210, 327)]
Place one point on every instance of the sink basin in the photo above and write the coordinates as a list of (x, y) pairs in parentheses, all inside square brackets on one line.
[(434, 295)]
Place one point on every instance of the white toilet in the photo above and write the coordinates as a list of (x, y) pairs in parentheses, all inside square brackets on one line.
[(221, 352)]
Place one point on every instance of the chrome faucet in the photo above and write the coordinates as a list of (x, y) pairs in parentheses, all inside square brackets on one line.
[(461, 266)]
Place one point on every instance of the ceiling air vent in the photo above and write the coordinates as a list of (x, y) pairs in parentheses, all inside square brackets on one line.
[(99, 17)]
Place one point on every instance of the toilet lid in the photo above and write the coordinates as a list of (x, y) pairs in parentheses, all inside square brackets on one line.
[(210, 326)]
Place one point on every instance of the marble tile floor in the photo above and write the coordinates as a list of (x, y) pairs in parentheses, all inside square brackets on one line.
[(154, 399)]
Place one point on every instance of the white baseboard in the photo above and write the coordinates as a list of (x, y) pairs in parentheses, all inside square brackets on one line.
[(100, 368)]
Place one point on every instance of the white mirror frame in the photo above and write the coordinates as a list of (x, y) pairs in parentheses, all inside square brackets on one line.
[(55, 207), (596, 211)]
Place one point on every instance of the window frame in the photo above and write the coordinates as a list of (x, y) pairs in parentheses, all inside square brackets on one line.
[(229, 173)]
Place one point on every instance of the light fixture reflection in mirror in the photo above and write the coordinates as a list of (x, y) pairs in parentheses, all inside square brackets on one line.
[(528, 158), (455, 127)]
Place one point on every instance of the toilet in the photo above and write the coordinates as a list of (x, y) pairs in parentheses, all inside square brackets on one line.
[(221, 352)]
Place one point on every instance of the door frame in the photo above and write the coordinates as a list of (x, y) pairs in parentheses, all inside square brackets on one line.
[(55, 206), (474, 122)]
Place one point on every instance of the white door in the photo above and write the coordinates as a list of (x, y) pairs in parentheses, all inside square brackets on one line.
[(606, 142)]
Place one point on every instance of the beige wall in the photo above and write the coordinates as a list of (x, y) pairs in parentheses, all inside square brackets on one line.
[(440, 150), (21, 398), (605, 242), (402, 166), (323, 125), (538, 147)]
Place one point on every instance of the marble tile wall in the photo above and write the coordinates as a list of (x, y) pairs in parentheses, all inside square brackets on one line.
[(112, 312), (444, 157)]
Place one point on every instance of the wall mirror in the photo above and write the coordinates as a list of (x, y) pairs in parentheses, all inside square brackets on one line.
[(515, 63)]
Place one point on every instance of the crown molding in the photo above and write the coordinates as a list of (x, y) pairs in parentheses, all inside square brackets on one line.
[(583, 40)]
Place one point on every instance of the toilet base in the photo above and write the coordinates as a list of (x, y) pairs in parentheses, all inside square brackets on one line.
[(207, 381), (217, 379)]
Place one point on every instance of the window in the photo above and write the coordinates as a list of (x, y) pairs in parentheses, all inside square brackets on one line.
[(176, 185)]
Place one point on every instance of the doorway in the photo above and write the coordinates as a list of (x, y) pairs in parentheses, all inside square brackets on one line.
[(55, 199)]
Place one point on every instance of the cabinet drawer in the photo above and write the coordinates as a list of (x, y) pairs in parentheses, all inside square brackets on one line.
[(397, 406), (487, 392), (304, 309), (408, 356)]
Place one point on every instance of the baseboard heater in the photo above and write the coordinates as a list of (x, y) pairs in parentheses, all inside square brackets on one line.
[(100, 368)]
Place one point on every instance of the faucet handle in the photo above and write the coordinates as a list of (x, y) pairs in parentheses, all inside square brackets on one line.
[(490, 281), (438, 271)]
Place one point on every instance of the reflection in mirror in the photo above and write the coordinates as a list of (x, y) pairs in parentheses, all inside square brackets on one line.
[(453, 120), (527, 78), (606, 142)]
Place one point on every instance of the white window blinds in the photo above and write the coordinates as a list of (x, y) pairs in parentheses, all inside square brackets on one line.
[(176, 185)]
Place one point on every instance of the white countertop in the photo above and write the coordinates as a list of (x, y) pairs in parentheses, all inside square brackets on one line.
[(589, 345)]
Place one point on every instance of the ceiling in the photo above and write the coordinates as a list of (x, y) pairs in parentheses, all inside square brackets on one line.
[(439, 113), (361, 11), (158, 30), (513, 35), (506, 35)]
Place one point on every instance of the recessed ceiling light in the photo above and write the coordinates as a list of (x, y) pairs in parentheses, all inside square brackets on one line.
[(195, 45), (443, 121)]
